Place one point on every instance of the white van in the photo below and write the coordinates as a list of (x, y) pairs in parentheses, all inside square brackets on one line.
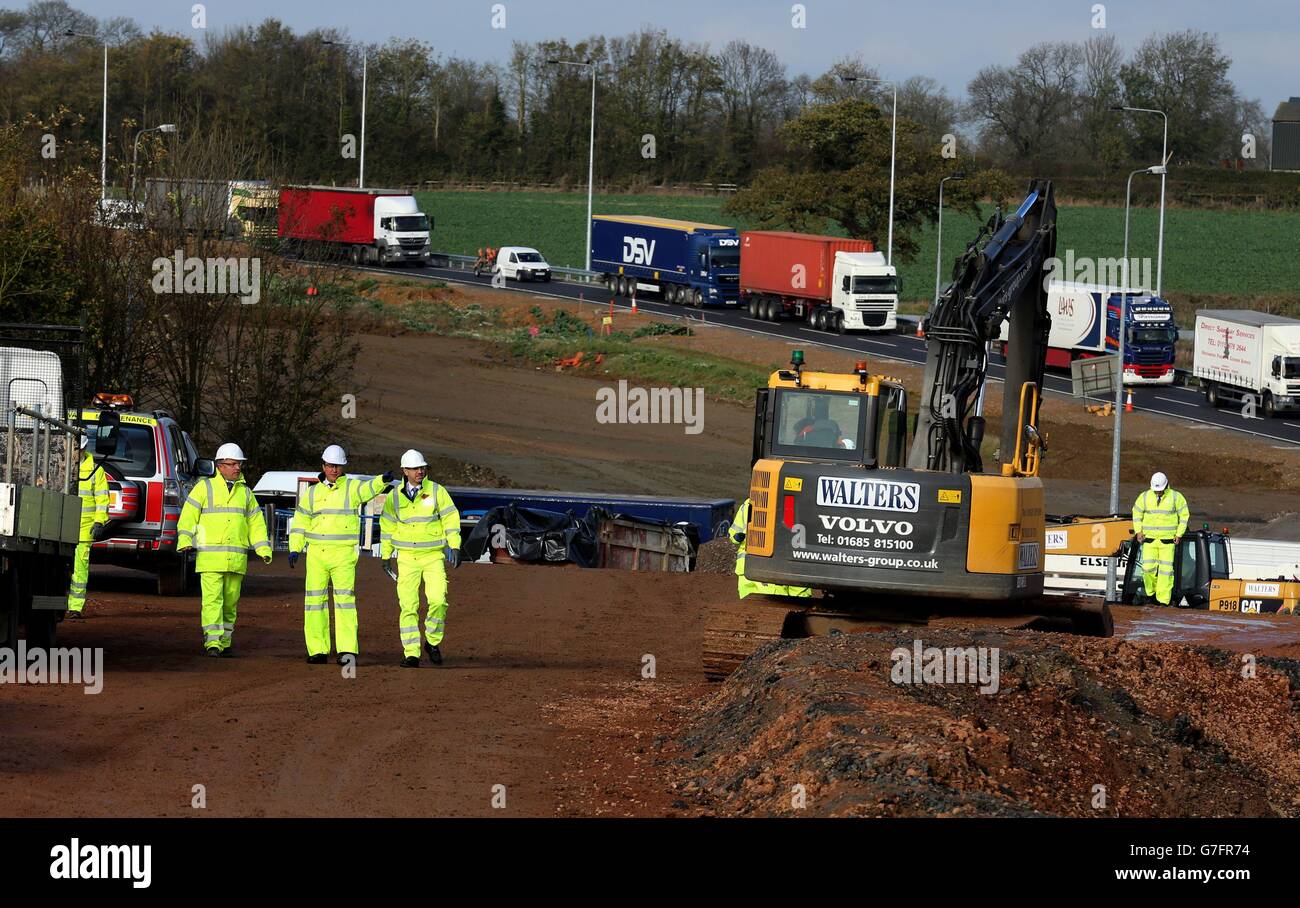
[(522, 263)]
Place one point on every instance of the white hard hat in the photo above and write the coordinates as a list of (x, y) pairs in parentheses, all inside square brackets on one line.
[(334, 454), (85, 442), (230, 451), (1159, 482), (413, 458)]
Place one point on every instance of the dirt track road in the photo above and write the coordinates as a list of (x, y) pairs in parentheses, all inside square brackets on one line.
[(269, 735)]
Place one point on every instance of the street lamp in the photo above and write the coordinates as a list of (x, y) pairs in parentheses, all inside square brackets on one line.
[(1119, 378), (135, 149), (938, 255), (361, 176), (591, 151), (1164, 161), (103, 148), (893, 144)]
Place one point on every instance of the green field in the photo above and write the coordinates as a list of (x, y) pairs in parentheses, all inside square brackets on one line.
[(1237, 253)]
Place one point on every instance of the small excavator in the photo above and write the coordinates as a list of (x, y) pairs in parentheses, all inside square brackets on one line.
[(891, 534)]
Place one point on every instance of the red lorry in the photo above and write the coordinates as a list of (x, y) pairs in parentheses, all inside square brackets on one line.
[(365, 226), (836, 284)]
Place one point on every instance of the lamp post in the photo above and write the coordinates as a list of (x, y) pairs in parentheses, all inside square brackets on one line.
[(103, 147), (591, 146), (361, 176), (1119, 377), (135, 149), (893, 146), (1164, 162), (938, 255)]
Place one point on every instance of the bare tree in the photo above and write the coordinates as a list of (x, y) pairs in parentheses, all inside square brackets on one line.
[(1027, 106)]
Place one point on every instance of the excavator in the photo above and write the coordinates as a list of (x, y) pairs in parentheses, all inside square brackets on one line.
[(890, 533)]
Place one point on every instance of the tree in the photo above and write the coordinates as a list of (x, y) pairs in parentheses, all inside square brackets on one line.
[(1026, 108)]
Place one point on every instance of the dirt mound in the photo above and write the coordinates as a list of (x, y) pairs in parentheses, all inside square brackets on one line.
[(1075, 727)]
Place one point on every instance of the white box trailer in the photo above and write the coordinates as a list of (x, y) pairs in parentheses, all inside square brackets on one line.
[(1241, 355)]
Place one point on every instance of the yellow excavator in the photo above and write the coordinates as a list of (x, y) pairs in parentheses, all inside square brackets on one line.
[(895, 533)]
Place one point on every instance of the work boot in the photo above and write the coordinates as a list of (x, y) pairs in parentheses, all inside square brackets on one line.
[(410, 662), (318, 659), (434, 654), (344, 656), (75, 614), (214, 651)]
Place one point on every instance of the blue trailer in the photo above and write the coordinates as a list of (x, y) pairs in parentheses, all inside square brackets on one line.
[(684, 262)]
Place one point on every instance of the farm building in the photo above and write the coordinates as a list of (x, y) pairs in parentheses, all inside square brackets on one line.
[(1286, 136)]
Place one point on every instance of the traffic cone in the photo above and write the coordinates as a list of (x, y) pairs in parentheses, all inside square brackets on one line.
[(1128, 403), (920, 332), (634, 301)]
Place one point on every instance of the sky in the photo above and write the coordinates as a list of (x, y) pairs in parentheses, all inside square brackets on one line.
[(948, 40)]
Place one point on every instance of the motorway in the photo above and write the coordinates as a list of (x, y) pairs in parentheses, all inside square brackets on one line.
[(1182, 403)]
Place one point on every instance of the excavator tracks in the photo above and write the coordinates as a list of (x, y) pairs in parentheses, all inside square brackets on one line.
[(735, 630)]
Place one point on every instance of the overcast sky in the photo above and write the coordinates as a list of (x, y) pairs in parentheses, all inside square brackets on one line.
[(948, 40)]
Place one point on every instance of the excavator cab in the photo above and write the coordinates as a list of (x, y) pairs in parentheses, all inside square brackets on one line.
[(1200, 558)]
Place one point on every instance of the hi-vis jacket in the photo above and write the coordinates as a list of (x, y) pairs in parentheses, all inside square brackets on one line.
[(428, 524), (1163, 519), (328, 515), (223, 524), (93, 489)]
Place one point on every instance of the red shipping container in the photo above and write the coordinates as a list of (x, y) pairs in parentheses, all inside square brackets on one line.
[(332, 214), (768, 260)]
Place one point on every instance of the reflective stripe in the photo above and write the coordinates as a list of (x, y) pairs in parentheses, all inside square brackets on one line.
[(409, 630), (447, 511), (87, 493), (224, 511), (212, 627), (318, 607), (298, 530), (430, 519), (315, 592), (188, 533), (304, 512), (398, 544), (339, 592), (346, 605), (77, 588), (344, 511), (325, 537), (190, 499), (224, 548)]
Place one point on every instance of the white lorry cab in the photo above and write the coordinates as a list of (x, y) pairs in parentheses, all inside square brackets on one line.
[(522, 263), (401, 229)]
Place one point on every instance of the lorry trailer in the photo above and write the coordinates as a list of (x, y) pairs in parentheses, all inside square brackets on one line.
[(364, 226), (833, 283), (683, 261)]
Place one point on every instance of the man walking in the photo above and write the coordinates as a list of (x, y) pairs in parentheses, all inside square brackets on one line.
[(93, 489), (222, 521), (421, 524), (327, 525), (1159, 522), (736, 533)]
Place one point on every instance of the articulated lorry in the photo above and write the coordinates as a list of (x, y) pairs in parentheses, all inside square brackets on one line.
[(683, 261), (833, 283), (1241, 355), (363, 226), (40, 509), (1079, 331)]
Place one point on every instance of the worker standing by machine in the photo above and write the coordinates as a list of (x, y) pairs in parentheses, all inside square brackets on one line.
[(93, 489), (745, 586), (1159, 522), (222, 521), (328, 527), (421, 525)]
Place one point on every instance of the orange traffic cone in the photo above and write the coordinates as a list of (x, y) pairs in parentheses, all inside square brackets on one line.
[(1128, 403), (920, 332), (634, 301)]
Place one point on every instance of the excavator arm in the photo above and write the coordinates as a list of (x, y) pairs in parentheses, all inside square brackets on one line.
[(1001, 276)]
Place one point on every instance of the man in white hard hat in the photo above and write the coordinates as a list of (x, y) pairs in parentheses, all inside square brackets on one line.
[(326, 524), (93, 489), (1159, 522), (222, 521), (421, 525)]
